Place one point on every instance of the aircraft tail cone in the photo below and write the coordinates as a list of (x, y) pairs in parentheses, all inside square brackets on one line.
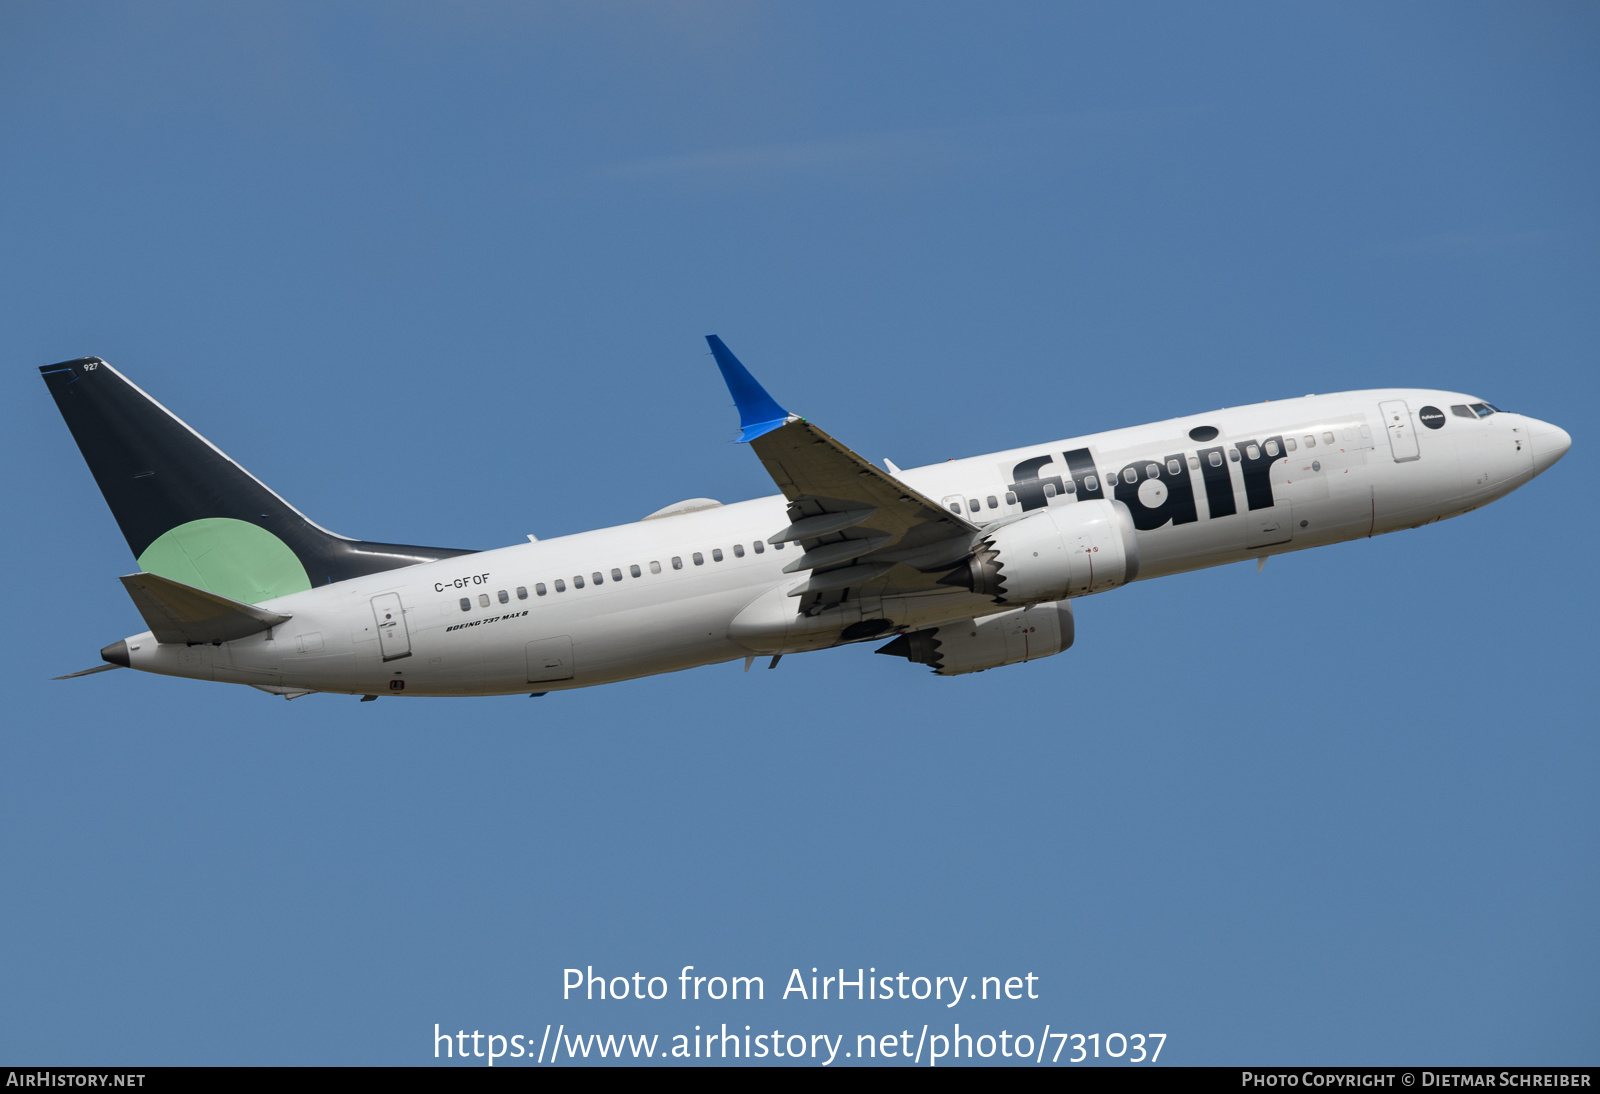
[(117, 654)]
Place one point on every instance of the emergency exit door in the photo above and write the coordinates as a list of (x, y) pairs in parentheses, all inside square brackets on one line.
[(393, 638)]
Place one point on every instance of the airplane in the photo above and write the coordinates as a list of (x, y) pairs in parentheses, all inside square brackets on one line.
[(962, 566)]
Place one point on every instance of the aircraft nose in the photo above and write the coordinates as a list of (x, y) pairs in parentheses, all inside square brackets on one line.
[(1549, 444)]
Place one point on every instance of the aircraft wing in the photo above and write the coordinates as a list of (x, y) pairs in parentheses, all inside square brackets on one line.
[(854, 522)]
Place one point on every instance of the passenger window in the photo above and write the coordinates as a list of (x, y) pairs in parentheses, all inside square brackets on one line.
[(1215, 458), (761, 548), (1311, 442), (505, 597), (655, 567), (538, 588), (1049, 489), (561, 586), (1288, 442), (1327, 436), (716, 554), (1272, 448), (1129, 475), (466, 605), (1011, 497), (616, 574), (1194, 463), (779, 546), (699, 559), (972, 505), (577, 581), (599, 578), (1233, 454), (1091, 483), (677, 562), (634, 570), (738, 550), (1151, 471), (993, 504), (1252, 451), (955, 507), (1174, 467), (1460, 411), (483, 600), (522, 592), (1069, 487)]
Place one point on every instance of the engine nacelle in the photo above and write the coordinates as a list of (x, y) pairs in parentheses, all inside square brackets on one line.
[(972, 645), (1058, 552)]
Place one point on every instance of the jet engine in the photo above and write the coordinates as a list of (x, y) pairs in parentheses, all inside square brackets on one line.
[(1022, 634), (1057, 552)]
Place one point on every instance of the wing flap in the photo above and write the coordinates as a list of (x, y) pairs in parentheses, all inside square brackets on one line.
[(831, 554), (828, 580), (179, 613), (821, 525)]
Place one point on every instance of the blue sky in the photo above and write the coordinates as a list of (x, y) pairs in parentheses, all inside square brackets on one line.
[(440, 274)]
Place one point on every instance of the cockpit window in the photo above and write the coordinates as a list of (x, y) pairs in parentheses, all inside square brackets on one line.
[(1460, 410), (1482, 410)]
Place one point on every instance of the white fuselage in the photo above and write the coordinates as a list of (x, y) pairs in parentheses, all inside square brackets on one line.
[(488, 623)]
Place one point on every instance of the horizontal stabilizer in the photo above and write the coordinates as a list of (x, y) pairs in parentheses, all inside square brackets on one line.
[(86, 672), (287, 693), (181, 613)]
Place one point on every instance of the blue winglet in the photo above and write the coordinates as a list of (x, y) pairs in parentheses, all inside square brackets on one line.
[(758, 412)]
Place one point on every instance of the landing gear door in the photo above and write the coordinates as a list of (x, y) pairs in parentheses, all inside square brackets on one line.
[(393, 638), (1402, 433)]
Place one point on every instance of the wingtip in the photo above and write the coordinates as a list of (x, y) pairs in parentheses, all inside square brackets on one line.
[(759, 412)]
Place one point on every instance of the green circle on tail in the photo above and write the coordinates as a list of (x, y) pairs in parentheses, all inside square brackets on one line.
[(232, 558)]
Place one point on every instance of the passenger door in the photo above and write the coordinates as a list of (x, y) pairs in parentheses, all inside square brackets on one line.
[(393, 638), (1402, 433)]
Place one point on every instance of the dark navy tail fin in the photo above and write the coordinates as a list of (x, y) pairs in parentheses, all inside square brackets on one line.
[(189, 512)]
